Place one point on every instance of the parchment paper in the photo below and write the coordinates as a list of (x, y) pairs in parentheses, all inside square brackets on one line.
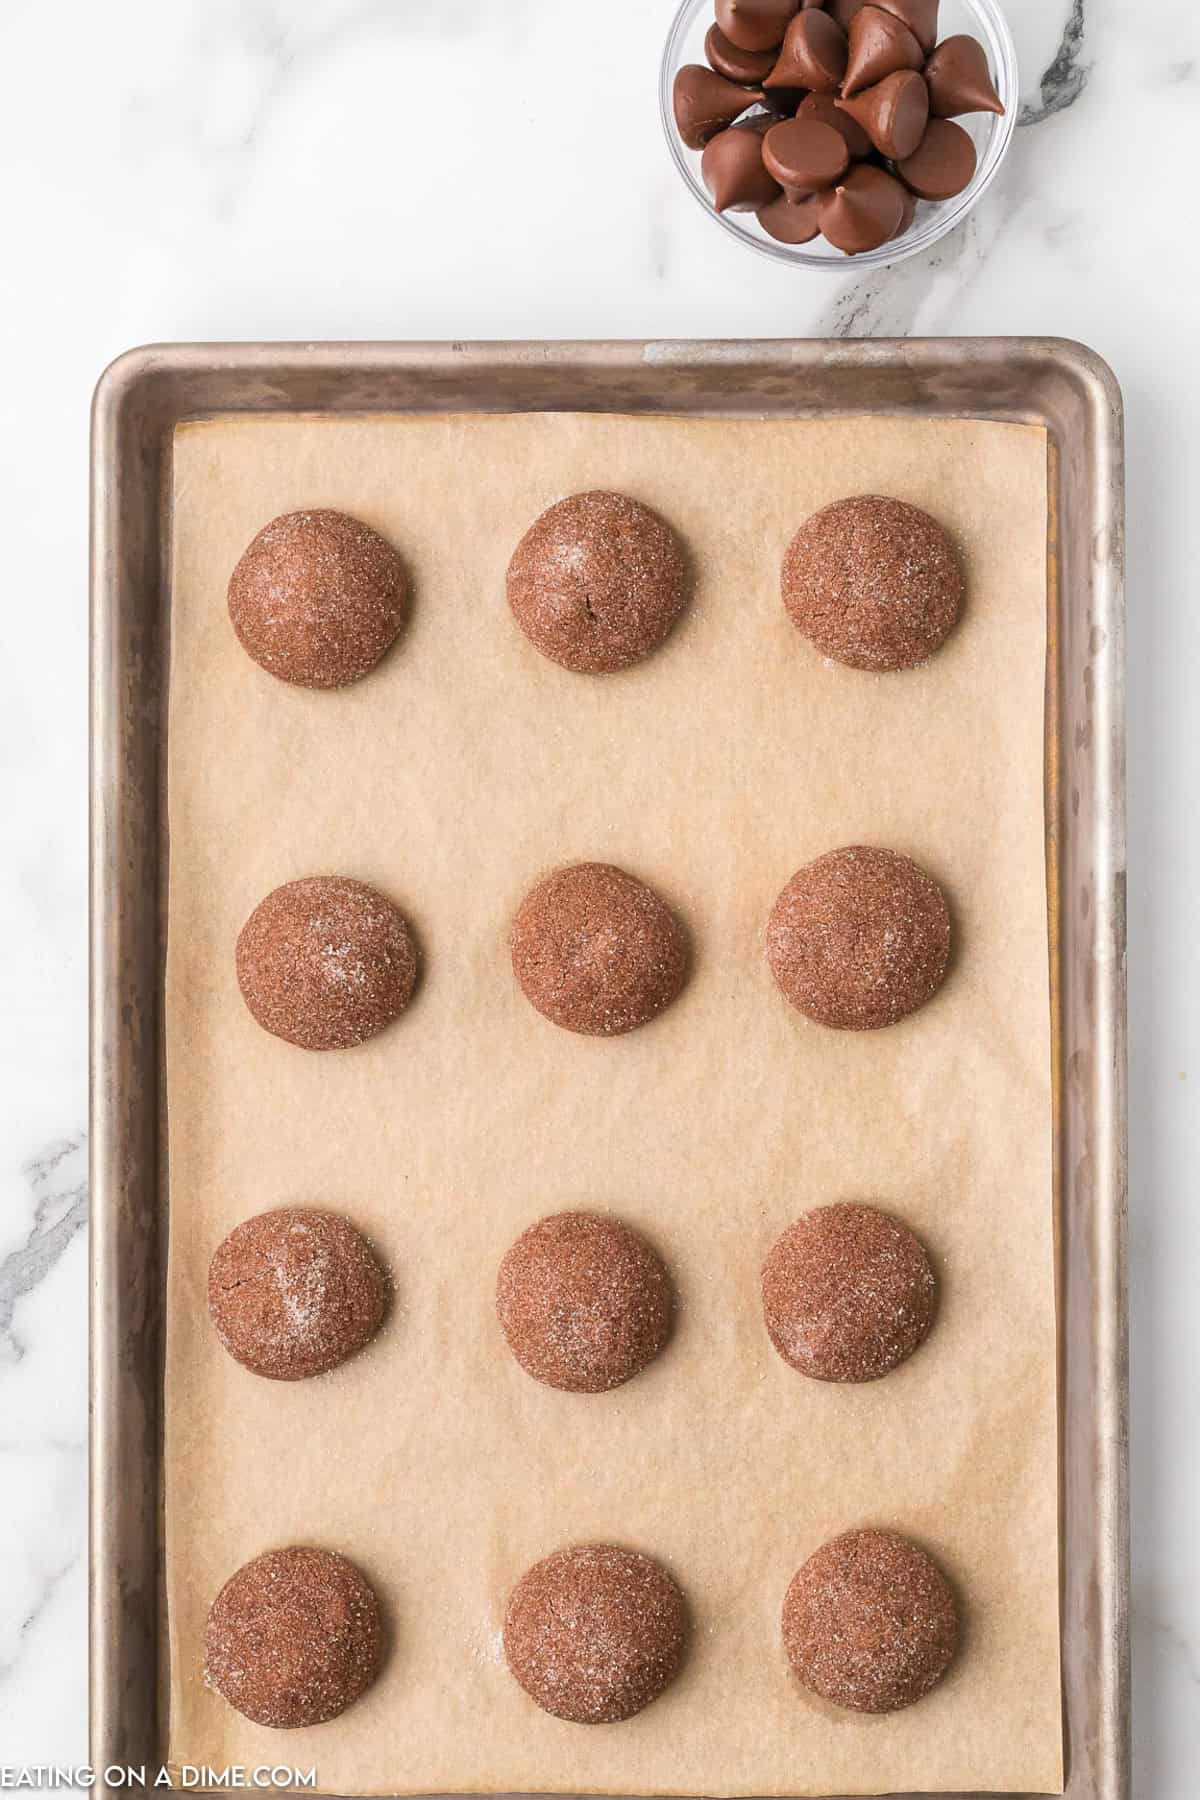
[(457, 774)]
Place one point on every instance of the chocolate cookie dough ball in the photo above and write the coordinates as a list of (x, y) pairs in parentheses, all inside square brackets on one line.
[(584, 1302), (870, 1622), (848, 1293), (594, 1634), (317, 598), (597, 582), (873, 583), (295, 1292), (293, 1638), (859, 939), (596, 951), (326, 963)]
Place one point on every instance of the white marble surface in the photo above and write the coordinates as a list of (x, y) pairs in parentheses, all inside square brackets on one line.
[(413, 168)]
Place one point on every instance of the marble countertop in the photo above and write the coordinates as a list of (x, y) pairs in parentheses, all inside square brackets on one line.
[(383, 168)]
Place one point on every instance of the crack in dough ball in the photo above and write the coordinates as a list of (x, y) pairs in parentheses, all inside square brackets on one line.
[(848, 1293), (293, 1638), (295, 1292), (317, 598), (873, 583), (859, 939), (597, 582), (326, 962), (596, 951), (870, 1622), (583, 1301), (595, 1633)]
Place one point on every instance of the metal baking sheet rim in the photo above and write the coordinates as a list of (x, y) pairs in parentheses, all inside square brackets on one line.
[(1058, 384)]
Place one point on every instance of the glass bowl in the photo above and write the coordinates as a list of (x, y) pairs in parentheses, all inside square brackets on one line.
[(981, 19)]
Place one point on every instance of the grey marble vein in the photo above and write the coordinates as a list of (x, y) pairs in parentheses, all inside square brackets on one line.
[(889, 301), (289, 40), (658, 240), (57, 1178), (1067, 74), (1183, 1646), (50, 1586), (50, 1444)]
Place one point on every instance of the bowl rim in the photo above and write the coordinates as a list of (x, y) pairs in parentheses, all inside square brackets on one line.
[(951, 213)]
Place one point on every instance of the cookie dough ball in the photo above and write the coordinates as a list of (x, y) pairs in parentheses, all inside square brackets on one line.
[(295, 1292), (594, 1634), (596, 951), (848, 1293), (597, 582), (293, 1638), (317, 598), (870, 1622), (326, 962), (584, 1302), (873, 583), (859, 939)]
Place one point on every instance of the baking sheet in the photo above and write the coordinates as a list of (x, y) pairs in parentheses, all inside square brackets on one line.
[(453, 777)]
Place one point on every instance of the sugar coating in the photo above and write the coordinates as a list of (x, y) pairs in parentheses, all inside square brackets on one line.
[(293, 1638), (870, 1622), (326, 962), (317, 598), (583, 1302), (848, 1293), (595, 1633), (859, 938), (873, 583), (294, 1292), (596, 951), (597, 582)]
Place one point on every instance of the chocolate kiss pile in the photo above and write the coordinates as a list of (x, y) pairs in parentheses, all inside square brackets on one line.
[(861, 101)]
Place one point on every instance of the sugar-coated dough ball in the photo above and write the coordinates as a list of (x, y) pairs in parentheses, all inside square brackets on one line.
[(597, 582), (317, 598), (295, 1292), (293, 1638), (848, 1293), (583, 1301), (870, 1622), (595, 1633), (873, 583), (326, 962), (859, 938), (596, 951)]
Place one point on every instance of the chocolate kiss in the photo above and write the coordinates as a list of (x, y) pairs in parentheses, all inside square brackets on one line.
[(893, 113), (863, 211), (735, 64), (755, 24), (844, 10), (909, 213), (943, 163), (921, 17), (960, 80), (826, 111), (813, 55), (805, 157), (791, 221), (733, 171), (880, 44), (706, 103)]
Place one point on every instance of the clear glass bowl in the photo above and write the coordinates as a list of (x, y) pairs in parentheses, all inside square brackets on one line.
[(934, 219)]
